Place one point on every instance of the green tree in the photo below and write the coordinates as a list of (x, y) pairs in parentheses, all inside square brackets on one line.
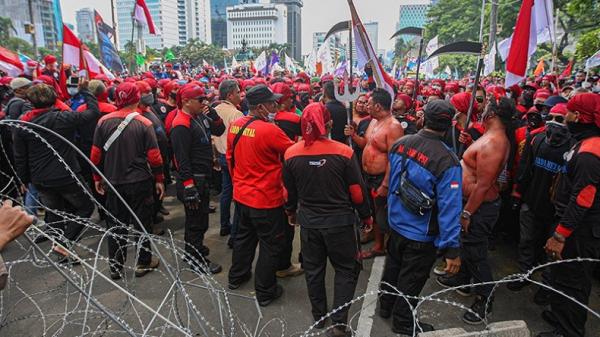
[(587, 45), (6, 28), (196, 51)]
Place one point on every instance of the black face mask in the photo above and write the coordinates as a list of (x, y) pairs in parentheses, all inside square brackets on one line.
[(557, 134), (147, 100), (173, 95), (534, 121)]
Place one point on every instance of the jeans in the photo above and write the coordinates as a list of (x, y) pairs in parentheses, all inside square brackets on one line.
[(226, 196), (407, 268), (70, 199), (340, 246), (31, 200), (474, 251)]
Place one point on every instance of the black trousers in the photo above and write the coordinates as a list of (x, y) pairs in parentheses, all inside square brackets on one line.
[(474, 251), (196, 220), (264, 227), (534, 233), (340, 246), (575, 279), (71, 199), (139, 196), (407, 268), (285, 257)]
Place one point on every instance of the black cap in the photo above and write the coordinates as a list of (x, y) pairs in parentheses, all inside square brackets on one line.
[(261, 94), (439, 114), (553, 100)]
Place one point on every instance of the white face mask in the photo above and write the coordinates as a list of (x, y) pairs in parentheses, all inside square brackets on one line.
[(72, 91), (271, 116)]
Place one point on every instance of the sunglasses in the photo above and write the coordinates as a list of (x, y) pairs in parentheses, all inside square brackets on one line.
[(555, 118)]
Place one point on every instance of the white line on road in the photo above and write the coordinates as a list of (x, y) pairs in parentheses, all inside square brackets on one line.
[(367, 311)]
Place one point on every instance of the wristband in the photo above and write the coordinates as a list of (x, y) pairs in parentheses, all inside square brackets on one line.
[(465, 214), (559, 237)]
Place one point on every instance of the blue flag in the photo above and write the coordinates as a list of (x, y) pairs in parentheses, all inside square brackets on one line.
[(108, 52)]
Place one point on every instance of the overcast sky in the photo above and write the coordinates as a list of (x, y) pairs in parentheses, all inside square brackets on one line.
[(317, 16)]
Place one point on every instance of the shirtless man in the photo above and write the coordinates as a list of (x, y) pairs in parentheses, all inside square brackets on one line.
[(381, 134), (482, 164)]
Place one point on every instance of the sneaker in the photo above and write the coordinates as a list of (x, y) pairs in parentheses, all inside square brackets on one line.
[(542, 297), (163, 211), (440, 269), (143, 269), (453, 282), (293, 270), (276, 295), (230, 243), (234, 286), (518, 285), (211, 268), (116, 274), (225, 231), (338, 331), (212, 208), (480, 310)]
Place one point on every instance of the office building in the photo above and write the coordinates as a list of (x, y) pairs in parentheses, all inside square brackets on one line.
[(413, 14), (258, 24), (194, 20), (372, 29), (44, 21), (218, 19), (166, 20), (86, 28), (294, 25)]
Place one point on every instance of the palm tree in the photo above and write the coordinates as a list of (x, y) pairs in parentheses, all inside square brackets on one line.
[(6, 27)]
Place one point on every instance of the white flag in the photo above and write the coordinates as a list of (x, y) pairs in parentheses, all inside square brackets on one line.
[(448, 71), (593, 61), (490, 62), (324, 56), (261, 62), (234, 63), (433, 63), (289, 64)]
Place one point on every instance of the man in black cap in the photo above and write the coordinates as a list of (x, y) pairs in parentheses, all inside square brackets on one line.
[(254, 151), (420, 226)]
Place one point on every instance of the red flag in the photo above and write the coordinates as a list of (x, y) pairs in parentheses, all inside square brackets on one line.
[(62, 83), (10, 63), (516, 63), (142, 15), (568, 69)]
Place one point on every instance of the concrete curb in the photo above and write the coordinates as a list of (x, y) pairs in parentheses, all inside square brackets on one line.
[(497, 329)]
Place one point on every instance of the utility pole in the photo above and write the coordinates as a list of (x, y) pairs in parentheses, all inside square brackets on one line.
[(31, 18), (112, 11), (493, 24)]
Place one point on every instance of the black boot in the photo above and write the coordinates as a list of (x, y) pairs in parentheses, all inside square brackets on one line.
[(482, 309)]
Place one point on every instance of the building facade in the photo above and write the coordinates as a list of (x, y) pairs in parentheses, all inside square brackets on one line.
[(194, 20), (372, 29), (218, 20), (258, 24), (294, 26), (166, 20), (44, 21), (413, 14), (86, 28)]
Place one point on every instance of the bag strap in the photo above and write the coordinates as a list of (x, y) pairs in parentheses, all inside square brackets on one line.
[(119, 130), (237, 139)]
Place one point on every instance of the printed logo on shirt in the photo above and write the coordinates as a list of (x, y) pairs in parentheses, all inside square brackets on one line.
[(454, 185), (247, 132), (319, 163)]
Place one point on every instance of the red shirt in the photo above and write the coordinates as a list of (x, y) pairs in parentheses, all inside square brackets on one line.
[(103, 106), (256, 177)]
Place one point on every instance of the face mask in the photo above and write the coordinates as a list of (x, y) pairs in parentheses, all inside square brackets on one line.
[(271, 117), (147, 100), (534, 121), (173, 95), (557, 134), (72, 91)]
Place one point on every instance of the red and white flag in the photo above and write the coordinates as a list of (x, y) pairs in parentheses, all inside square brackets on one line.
[(72, 49), (10, 63), (142, 15), (366, 54), (94, 66), (534, 26)]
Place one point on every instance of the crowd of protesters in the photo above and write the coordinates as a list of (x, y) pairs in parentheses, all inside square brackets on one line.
[(440, 169)]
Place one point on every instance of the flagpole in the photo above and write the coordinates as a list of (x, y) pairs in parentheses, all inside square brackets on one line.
[(414, 96), (135, 49), (554, 42), (112, 12)]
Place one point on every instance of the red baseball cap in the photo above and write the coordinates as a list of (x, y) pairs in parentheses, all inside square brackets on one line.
[(282, 89), (189, 91)]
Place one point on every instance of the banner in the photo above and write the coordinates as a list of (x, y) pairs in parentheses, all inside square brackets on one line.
[(108, 52), (593, 61)]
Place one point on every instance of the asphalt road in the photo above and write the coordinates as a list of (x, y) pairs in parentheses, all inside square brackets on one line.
[(39, 302)]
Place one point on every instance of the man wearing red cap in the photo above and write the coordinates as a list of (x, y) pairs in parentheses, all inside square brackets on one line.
[(543, 159), (50, 67), (327, 216), (402, 104), (286, 118), (191, 133), (126, 151), (577, 234)]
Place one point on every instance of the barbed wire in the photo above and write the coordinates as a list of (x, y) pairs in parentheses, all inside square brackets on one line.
[(80, 301)]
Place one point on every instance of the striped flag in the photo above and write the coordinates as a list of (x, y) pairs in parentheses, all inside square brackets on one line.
[(142, 15), (366, 54), (10, 63)]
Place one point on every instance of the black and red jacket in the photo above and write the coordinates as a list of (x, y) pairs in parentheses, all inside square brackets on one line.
[(34, 161), (325, 183), (192, 144), (578, 201), (289, 122), (132, 158)]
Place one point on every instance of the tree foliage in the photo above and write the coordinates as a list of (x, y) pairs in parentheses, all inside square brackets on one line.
[(587, 45), (196, 51), (6, 28)]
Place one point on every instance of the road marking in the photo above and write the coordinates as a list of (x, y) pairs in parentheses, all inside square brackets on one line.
[(367, 311)]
